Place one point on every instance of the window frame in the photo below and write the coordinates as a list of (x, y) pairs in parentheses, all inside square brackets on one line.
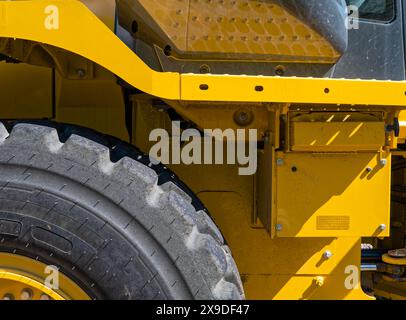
[(387, 17)]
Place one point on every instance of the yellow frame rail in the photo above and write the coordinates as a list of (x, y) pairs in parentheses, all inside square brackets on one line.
[(81, 32)]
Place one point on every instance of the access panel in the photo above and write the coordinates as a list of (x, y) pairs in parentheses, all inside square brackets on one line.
[(333, 195)]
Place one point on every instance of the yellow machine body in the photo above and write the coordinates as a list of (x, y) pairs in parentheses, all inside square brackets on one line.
[(233, 27), (323, 190)]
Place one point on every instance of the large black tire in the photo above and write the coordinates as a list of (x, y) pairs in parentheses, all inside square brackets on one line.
[(118, 226)]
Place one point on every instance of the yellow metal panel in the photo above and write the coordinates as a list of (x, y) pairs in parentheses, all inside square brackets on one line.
[(81, 32), (395, 261), (261, 30), (337, 136), (269, 266), (327, 195), (293, 90), (96, 103), (25, 91), (172, 17), (253, 27), (280, 268), (402, 124), (105, 10), (301, 288)]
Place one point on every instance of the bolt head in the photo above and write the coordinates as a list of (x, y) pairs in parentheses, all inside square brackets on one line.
[(243, 117), (26, 294), (280, 162), (328, 254), (382, 227), (319, 281), (278, 227), (204, 69), (383, 162), (81, 73)]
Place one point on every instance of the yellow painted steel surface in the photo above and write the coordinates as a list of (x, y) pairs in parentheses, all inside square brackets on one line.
[(271, 268), (331, 195), (93, 103), (394, 261), (18, 274), (280, 268), (36, 102), (13, 285), (293, 90), (237, 27), (337, 136), (83, 33), (402, 124)]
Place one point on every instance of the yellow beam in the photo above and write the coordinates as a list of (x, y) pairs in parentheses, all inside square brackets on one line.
[(292, 90), (81, 32)]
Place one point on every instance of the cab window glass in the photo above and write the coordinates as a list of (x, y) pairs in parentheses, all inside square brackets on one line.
[(377, 10)]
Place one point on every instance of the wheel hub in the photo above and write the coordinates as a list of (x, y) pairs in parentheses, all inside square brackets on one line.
[(23, 278)]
